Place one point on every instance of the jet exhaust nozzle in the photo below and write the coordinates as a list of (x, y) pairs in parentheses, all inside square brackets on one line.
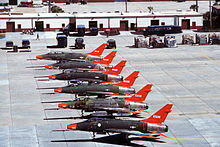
[(108, 67), (114, 78), (157, 128), (125, 90), (93, 58)]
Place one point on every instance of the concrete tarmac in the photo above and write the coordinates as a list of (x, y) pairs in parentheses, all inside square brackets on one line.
[(186, 76)]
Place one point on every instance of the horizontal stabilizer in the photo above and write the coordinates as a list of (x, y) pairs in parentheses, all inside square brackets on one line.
[(148, 136), (160, 134)]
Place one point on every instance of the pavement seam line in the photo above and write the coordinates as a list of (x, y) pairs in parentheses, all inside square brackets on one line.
[(204, 55)]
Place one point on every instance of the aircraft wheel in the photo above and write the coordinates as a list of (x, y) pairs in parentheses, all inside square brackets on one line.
[(125, 137)]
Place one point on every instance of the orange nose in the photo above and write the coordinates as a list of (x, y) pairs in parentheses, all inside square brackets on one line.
[(72, 127), (58, 90), (53, 77), (49, 66), (64, 105), (39, 57)]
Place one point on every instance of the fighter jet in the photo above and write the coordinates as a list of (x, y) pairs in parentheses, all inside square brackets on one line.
[(151, 127), (123, 107), (101, 90), (92, 56), (108, 76), (97, 65)]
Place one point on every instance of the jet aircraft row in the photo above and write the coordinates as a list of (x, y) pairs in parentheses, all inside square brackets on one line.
[(99, 87)]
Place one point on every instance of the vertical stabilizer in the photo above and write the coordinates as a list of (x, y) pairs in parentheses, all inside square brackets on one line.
[(129, 81), (98, 51), (160, 116)]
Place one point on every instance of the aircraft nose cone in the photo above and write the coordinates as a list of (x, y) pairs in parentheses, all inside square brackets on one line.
[(59, 90), (39, 57), (49, 66), (72, 127), (53, 77), (64, 105)]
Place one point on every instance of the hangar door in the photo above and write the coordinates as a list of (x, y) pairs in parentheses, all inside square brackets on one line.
[(10, 26), (72, 24), (92, 24), (185, 23), (13, 2), (39, 25), (124, 25), (154, 22)]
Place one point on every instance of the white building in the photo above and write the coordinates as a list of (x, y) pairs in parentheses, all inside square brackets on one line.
[(130, 21), (14, 2), (118, 21), (16, 22)]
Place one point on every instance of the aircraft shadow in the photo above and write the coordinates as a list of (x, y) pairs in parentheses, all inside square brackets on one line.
[(113, 139)]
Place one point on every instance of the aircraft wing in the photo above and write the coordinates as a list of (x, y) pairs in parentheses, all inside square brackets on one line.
[(120, 110), (151, 135), (89, 80), (99, 93), (87, 69), (58, 60), (78, 60)]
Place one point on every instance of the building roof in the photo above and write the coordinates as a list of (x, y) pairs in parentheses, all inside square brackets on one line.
[(139, 14), (96, 15), (34, 15)]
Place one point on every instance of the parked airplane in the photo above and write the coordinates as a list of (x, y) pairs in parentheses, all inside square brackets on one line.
[(151, 127), (92, 56), (123, 107)]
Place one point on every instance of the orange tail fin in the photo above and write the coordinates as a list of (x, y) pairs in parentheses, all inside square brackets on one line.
[(107, 59), (141, 95), (129, 81), (160, 116), (98, 51), (116, 70)]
